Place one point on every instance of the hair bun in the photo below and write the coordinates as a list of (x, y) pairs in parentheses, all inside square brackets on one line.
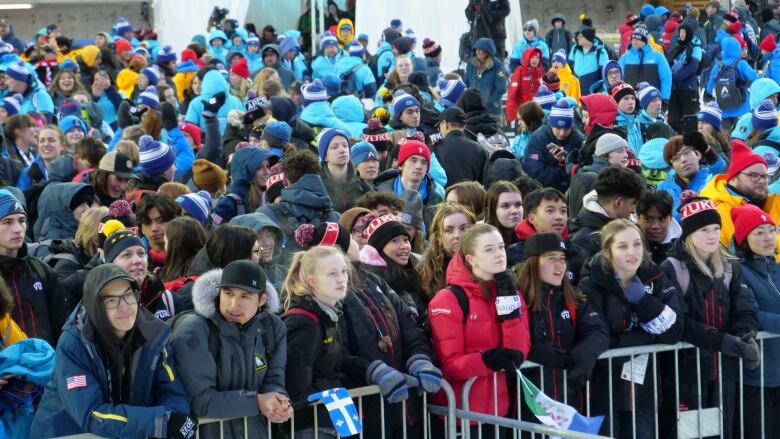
[(112, 226), (304, 234)]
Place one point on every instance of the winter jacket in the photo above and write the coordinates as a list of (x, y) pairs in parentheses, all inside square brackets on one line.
[(68, 258), (10, 171), (625, 31), (541, 165), (557, 39), (219, 53), (656, 318), (390, 181), (258, 222), (685, 66), (344, 194), (585, 228), (61, 170), (319, 115), (462, 158), (242, 173), (515, 253), (489, 21), (287, 45), (713, 24), (36, 99), (325, 65), (524, 83), (659, 251), (762, 276), (570, 85), (760, 89), (603, 84), (731, 52), (492, 81), (460, 340), (630, 122), (672, 184), (32, 174), (55, 217), (647, 65), (433, 71), (384, 58), (213, 83), (725, 198), (520, 48), (185, 156), (250, 360), (68, 407), (365, 83), (350, 111), (587, 65), (286, 76)]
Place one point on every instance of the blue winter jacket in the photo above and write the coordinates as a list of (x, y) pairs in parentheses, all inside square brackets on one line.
[(761, 89), (319, 114), (762, 276), (541, 165), (55, 217), (697, 183), (36, 99), (587, 65), (492, 82), (219, 53), (772, 66), (384, 59), (323, 66), (212, 84), (245, 163), (633, 130), (521, 46), (647, 65), (731, 52), (156, 389), (25, 182), (350, 110), (185, 156), (684, 75), (364, 79), (254, 61)]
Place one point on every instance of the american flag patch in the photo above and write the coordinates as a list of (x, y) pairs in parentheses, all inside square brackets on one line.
[(76, 382)]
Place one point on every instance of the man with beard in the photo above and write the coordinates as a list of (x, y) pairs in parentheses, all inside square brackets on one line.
[(745, 182), (685, 154)]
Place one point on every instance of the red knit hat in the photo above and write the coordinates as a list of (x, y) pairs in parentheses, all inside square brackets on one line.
[(746, 218), (240, 68), (768, 44), (413, 147), (189, 55), (741, 158), (122, 45), (194, 131)]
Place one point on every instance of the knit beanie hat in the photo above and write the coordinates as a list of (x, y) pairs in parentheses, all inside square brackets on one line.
[(156, 157), (401, 101), (646, 94), (532, 25), (119, 210), (350, 217), (769, 43), (746, 218), (377, 134), (166, 54), (450, 91), (123, 26), (711, 114), (696, 212), (197, 205), (122, 45), (741, 157), (68, 65), (9, 204), (70, 122), (382, 230), (117, 240), (411, 214), (149, 98), (413, 147), (11, 104), (324, 139), (330, 234), (240, 68), (332, 84), (313, 92), (361, 152), (194, 131), (277, 134), (420, 79), (561, 115), (431, 48), (275, 183), (765, 116), (559, 56), (328, 40), (356, 49), (588, 33), (255, 109), (208, 176), (18, 72), (609, 142), (640, 33), (152, 74), (551, 80), (621, 90), (545, 98)]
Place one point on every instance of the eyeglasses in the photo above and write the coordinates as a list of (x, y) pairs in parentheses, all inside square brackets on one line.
[(112, 302), (357, 233), (681, 153), (755, 178)]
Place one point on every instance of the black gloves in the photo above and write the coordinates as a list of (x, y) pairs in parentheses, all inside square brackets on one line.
[(216, 102), (744, 347), (124, 116), (549, 355), (576, 377), (507, 300), (497, 359), (181, 426), (169, 120), (696, 141)]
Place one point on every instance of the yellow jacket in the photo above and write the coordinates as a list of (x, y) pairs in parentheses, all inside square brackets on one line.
[(10, 332), (569, 83), (125, 82), (725, 200), (655, 46), (344, 42), (183, 80)]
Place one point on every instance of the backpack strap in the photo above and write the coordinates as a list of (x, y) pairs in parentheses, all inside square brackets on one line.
[(463, 300), (681, 271), (301, 312), (268, 343), (65, 256)]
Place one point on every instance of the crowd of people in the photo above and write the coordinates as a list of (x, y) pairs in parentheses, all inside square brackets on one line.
[(221, 232)]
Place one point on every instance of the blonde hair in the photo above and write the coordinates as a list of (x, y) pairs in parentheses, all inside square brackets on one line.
[(86, 234), (303, 265), (131, 149), (713, 266), (263, 75), (610, 231)]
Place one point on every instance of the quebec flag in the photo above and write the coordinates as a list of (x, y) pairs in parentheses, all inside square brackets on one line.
[(341, 409)]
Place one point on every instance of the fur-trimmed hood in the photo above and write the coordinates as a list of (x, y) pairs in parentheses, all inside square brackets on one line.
[(206, 289), (235, 118)]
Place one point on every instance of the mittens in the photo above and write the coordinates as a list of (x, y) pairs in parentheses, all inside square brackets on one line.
[(213, 104), (635, 291), (420, 367), (391, 382)]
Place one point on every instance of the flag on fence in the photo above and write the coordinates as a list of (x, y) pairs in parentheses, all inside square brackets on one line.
[(341, 409), (555, 414)]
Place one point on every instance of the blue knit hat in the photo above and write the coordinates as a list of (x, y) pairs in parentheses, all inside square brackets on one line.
[(323, 140), (395, 23), (357, 49), (561, 115), (328, 40), (332, 84), (363, 37), (18, 71), (149, 98), (765, 116), (277, 134), (68, 65), (559, 56), (403, 100), (156, 157), (166, 54), (253, 40), (361, 152), (9, 204), (70, 122), (197, 205), (646, 94), (314, 92), (545, 98), (152, 74), (11, 104), (123, 26), (711, 114), (450, 91)]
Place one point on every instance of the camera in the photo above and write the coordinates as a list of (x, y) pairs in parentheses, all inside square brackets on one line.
[(217, 15)]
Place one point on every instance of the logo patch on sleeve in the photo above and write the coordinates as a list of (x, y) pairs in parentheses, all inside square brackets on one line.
[(260, 363)]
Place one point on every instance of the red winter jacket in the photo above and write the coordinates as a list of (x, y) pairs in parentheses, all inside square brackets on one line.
[(602, 109), (625, 31), (524, 84), (459, 346), (670, 28)]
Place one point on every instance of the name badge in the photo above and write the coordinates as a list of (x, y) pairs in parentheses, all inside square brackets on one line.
[(507, 304)]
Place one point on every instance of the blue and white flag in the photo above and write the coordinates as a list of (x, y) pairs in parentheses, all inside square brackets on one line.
[(341, 409)]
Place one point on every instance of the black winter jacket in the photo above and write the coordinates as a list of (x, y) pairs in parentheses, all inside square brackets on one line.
[(462, 158), (585, 230), (343, 195), (68, 258)]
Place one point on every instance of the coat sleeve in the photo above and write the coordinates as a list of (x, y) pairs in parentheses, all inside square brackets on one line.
[(86, 404), (199, 370), (592, 336), (184, 154), (168, 388), (303, 341), (742, 313), (768, 321), (274, 376), (664, 76), (212, 146), (513, 95), (711, 80), (499, 82), (747, 72), (541, 166)]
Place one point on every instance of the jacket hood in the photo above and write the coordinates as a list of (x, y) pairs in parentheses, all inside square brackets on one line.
[(61, 170), (761, 89), (602, 109), (558, 16), (288, 44), (349, 108), (201, 263), (54, 208), (487, 45), (306, 197), (274, 47), (717, 191), (731, 50), (524, 230), (673, 232), (259, 221), (320, 114), (245, 163), (671, 25), (611, 64), (95, 281), (342, 22), (213, 83), (347, 63), (216, 33), (651, 154), (241, 32), (205, 291), (653, 22), (528, 54)]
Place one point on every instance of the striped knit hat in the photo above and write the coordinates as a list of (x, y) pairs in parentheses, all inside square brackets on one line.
[(11, 104), (403, 100), (545, 98), (314, 92), (166, 54), (646, 94), (711, 114), (328, 40), (561, 115), (450, 91), (152, 74), (149, 98), (559, 56), (765, 116), (197, 205), (156, 157), (9, 204), (18, 72), (356, 49)]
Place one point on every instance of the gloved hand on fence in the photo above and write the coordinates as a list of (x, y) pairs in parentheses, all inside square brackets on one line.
[(391, 382), (213, 104), (123, 116), (507, 300), (577, 376), (549, 355), (745, 348), (635, 291), (498, 359), (181, 426), (168, 116), (420, 367)]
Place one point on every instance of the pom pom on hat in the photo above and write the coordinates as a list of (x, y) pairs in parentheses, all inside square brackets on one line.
[(561, 115), (765, 116), (123, 26), (431, 48), (166, 54), (711, 114), (545, 98), (304, 234), (120, 209), (313, 92), (149, 98)]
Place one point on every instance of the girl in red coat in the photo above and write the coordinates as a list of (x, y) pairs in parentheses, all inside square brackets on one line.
[(491, 335), (525, 82)]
